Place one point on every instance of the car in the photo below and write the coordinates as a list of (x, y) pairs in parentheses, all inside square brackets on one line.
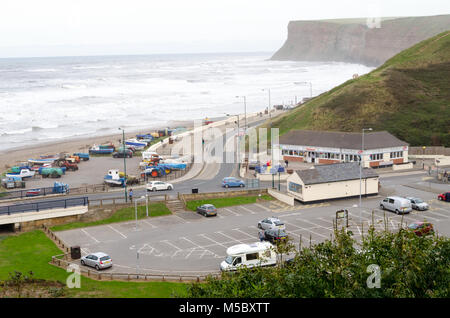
[(159, 185), (418, 204), (232, 182), (121, 153), (275, 235), (207, 210), (97, 260), (272, 223), (444, 197), (421, 228), (396, 204)]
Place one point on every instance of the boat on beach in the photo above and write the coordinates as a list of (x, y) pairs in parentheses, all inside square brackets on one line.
[(139, 145), (113, 178), (101, 149), (42, 161)]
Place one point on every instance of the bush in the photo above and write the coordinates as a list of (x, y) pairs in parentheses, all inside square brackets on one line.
[(411, 266)]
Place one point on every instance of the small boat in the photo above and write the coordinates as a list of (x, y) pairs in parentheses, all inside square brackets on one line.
[(42, 161), (101, 150), (33, 192), (113, 178), (139, 145)]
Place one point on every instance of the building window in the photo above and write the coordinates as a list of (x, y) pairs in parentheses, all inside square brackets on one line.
[(294, 187), (396, 154), (376, 156)]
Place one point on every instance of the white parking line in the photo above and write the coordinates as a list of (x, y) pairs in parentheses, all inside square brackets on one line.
[(231, 238), (437, 213), (216, 243), (317, 225), (263, 207), (243, 233), (305, 229), (90, 236), (248, 210), (427, 216), (180, 218), (146, 222), (117, 231), (232, 212)]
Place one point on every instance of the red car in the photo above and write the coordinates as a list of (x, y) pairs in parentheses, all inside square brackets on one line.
[(444, 197), (421, 228)]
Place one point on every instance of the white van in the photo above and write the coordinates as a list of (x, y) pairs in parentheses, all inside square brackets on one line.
[(249, 255), (396, 204)]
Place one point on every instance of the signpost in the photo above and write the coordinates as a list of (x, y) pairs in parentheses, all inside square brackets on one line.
[(342, 214)]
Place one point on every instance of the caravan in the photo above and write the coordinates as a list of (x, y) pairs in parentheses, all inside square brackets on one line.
[(249, 255)]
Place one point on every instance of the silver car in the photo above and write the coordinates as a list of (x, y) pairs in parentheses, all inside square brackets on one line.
[(97, 260), (418, 204), (271, 224)]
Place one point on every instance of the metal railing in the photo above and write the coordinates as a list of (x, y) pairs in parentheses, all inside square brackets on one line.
[(19, 194), (44, 205), (63, 262)]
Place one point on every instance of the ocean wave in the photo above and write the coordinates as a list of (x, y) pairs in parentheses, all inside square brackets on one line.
[(72, 86), (39, 70)]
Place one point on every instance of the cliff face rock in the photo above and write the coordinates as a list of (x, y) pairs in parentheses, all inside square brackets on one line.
[(354, 42)]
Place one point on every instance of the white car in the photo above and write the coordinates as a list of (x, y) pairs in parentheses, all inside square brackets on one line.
[(418, 204), (97, 260), (271, 224), (158, 185)]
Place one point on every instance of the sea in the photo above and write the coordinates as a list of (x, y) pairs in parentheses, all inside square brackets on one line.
[(56, 98)]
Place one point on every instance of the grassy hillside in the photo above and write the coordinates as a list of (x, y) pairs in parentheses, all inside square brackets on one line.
[(409, 96)]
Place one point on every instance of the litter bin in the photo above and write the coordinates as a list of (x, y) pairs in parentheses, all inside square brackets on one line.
[(75, 252), (194, 190)]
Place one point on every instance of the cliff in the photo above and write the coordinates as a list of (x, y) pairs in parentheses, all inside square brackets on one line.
[(352, 41), (408, 96)]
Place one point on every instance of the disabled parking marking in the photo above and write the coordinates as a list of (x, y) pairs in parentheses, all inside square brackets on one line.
[(170, 244), (90, 236), (117, 231)]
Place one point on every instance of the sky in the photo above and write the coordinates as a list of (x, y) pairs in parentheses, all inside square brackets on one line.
[(102, 27)]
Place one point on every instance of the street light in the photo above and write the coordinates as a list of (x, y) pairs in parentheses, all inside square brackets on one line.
[(271, 139), (124, 162), (361, 163)]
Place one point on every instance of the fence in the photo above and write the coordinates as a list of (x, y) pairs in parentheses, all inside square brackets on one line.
[(62, 262), (429, 151), (121, 200), (44, 205), (26, 193)]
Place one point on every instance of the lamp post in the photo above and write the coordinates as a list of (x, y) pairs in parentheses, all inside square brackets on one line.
[(361, 163), (124, 162), (239, 138)]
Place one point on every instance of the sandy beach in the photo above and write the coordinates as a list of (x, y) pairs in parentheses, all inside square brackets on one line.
[(11, 157)]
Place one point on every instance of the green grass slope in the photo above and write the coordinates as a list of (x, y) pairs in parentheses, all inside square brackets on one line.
[(409, 96)]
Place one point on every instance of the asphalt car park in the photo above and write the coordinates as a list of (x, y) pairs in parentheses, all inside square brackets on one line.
[(190, 243)]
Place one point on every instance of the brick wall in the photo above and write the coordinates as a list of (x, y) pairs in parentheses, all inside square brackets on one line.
[(291, 158)]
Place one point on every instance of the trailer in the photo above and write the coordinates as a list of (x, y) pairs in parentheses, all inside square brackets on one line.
[(83, 156)]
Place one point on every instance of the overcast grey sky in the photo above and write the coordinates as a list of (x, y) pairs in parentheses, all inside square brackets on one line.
[(92, 27)]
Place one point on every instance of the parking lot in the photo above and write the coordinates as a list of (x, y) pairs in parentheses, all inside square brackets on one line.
[(189, 243)]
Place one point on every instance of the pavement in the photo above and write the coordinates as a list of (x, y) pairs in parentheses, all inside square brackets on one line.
[(187, 243)]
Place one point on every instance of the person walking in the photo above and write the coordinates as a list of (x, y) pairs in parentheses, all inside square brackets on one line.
[(130, 195), (261, 236), (287, 163)]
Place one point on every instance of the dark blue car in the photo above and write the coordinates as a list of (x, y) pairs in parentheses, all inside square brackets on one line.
[(232, 182)]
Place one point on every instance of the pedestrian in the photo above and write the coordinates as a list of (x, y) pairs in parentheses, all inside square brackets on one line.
[(130, 195), (261, 236), (286, 162)]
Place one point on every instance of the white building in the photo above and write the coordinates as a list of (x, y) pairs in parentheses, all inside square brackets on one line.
[(332, 181), (325, 147)]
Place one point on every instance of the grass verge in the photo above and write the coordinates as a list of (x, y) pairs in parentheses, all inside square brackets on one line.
[(121, 215), (224, 202), (31, 251)]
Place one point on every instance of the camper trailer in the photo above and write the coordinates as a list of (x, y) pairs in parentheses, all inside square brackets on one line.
[(249, 255)]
